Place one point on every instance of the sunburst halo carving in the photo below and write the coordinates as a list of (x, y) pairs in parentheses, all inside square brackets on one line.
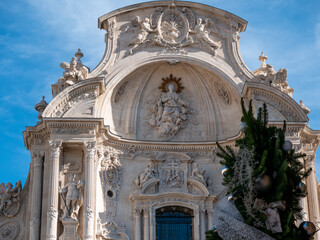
[(171, 80)]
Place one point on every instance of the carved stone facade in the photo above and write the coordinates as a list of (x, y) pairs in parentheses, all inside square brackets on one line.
[(137, 135)]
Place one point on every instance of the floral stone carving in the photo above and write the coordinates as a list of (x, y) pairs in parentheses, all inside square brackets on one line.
[(170, 112), (10, 199), (175, 28)]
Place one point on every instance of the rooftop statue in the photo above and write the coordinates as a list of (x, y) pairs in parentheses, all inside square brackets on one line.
[(73, 73), (270, 76)]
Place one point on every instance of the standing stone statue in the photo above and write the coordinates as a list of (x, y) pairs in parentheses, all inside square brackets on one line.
[(72, 198)]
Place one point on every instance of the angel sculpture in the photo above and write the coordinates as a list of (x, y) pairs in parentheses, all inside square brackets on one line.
[(197, 174), (10, 199), (202, 31), (73, 72), (72, 198), (145, 28), (148, 174)]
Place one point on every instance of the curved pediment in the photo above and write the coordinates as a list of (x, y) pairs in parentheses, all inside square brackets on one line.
[(161, 28), (280, 105)]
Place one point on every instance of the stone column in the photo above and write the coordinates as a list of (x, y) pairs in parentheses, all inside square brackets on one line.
[(37, 161), (210, 218), (89, 193), (146, 224), (52, 214), (312, 191), (137, 230), (203, 224)]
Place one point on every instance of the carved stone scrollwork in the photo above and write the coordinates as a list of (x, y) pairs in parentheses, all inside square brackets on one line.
[(170, 112), (172, 28), (9, 230), (10, 199)]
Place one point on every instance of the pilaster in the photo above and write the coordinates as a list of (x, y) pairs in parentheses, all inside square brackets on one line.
[(37, 162), (52, 214), (89, 195)]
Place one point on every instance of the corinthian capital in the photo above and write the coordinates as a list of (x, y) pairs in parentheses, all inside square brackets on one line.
[(90, 145), (37, 157), (55, 145)]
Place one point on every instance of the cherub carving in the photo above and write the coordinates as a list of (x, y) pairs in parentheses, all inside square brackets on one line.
[(10, 199), (202, 32), (144, 28), (72, 198), (197, 174)]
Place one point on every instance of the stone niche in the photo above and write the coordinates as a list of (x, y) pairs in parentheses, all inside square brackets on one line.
[(143, 107)]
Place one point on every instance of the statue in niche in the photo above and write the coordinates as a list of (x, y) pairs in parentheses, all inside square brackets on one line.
[(169, 111), (144, 27), (202, 33), (149, 173), (72, 198), (197, 174), (10, 199)]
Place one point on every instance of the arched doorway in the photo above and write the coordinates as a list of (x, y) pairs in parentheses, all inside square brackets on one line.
[(174, 223)]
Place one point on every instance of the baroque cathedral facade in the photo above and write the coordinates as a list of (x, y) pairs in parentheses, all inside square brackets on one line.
[(123, 149)]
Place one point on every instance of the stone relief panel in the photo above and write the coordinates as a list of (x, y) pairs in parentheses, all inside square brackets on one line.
[(110, 176), (223, 93), (10, 199), (175, 28), (73, 161), (169, 112), (171, 172)]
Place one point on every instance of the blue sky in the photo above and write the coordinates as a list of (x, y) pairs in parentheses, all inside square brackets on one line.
[(36, 35)]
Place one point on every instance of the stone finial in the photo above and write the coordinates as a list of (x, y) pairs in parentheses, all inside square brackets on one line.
[(263, 59), (304, 108), (40, 108), (79, 55)]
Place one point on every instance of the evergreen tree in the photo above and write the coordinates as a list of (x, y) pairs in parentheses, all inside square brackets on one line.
[(264, 171)]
